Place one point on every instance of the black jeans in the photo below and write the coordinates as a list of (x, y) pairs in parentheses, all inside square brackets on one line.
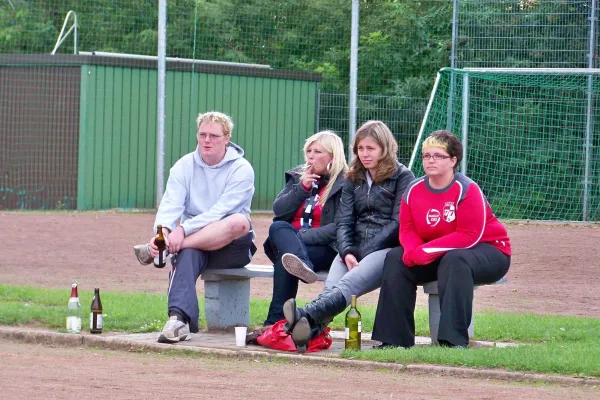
[(284, 239), (457, 272)]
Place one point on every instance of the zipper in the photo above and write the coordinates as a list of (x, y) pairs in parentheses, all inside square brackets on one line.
[(369, 208)]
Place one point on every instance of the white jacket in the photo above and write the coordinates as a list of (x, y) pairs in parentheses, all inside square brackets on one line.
[(200, 194)]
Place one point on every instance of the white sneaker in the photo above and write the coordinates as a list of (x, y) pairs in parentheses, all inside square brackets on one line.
[(296, 267), (175, 331)]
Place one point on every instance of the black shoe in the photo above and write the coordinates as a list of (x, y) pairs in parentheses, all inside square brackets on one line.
[(445, 343), (384, 346), (292, 315), (301, 335)]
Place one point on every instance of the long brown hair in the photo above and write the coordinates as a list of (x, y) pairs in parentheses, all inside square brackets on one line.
[(381, 134)]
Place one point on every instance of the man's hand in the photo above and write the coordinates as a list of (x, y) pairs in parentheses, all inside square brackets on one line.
[(152, 246), (175, 240), (350, 261)]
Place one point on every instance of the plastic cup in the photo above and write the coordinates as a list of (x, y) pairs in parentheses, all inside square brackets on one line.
[(240, 336)]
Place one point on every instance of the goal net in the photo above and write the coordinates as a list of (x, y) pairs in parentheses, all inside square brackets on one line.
[(531, 138)]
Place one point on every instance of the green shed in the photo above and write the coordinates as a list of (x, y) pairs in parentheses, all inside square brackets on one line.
[(79, 131)]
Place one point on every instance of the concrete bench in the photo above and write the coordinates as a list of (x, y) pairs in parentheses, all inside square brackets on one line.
[(431, 289), (227, 294), (227, 297)]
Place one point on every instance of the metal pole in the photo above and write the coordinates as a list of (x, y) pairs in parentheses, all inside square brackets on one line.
[(589, 120), (162, 72), (465, 122), (353, 77), (425, 117), (449, 121)]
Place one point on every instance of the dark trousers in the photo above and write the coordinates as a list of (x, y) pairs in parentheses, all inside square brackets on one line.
[(457, 272), (189, 264), (284, 239)]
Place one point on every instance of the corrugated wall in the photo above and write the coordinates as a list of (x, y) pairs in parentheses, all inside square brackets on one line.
[(39, 118), (117, 163)]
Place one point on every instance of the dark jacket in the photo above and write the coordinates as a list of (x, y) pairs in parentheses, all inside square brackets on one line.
[(293, 196), (368, 217)]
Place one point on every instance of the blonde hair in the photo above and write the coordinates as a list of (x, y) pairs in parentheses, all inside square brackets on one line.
[(381, 134), (433, 141), (217, 117), (334, 146)]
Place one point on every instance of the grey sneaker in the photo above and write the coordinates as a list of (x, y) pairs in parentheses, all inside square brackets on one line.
[(296, 267), (175, 331), (142, 252)]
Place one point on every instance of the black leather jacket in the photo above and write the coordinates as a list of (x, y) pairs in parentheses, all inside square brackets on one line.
[(293, 196), (368, 216)]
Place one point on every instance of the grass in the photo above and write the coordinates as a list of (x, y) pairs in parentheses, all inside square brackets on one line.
[(548, 344)]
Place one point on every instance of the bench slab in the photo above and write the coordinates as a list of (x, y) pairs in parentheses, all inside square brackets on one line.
[(227, 294)]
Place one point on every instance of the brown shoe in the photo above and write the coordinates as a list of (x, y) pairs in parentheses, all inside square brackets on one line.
[(142, 252)]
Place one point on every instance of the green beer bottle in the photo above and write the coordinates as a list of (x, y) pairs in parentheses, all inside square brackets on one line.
[(353, 326)]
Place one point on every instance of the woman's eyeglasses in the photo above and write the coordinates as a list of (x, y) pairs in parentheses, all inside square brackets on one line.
[(436, 157)]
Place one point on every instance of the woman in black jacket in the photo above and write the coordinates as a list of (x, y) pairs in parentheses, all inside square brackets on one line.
[(367, 230), (304, 225)]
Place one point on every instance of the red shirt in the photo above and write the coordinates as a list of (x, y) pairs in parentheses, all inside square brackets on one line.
[(433, 222), (316, 220)]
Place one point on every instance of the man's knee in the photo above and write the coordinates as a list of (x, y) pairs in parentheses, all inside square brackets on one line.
[(238, 225)]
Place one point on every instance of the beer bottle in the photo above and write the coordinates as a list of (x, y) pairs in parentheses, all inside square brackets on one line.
[(96, 313), (161, 260), (74, 311), (353, 326)]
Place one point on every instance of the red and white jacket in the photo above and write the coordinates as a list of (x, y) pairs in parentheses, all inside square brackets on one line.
[(435, 221)]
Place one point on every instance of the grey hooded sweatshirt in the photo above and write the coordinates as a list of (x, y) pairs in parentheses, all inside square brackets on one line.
[(201, 194)]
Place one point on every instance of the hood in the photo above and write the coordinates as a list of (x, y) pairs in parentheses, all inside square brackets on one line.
[(232, 153)]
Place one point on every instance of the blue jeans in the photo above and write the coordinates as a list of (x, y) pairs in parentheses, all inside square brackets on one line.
[(284, 239)]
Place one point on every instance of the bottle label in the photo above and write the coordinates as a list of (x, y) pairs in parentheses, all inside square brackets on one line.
[(347, 333), (359, 326), (162, 258), (73, 324), (98, 320)]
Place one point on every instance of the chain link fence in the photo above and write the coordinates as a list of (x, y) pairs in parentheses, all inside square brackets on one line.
[(402, 45)]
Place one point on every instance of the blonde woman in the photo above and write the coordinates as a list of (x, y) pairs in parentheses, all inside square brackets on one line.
[(304, 224), (367, 228)]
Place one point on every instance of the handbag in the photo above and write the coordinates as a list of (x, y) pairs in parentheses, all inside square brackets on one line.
[(277, 338)]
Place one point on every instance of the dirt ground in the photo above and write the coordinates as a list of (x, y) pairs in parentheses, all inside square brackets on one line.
[(32, 371), (554, 268), (554, 271)]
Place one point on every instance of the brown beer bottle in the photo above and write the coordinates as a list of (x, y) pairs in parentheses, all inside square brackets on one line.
[(161, 260), (96, 314)]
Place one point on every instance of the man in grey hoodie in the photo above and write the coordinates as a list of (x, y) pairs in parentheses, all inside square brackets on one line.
[(209, 192)]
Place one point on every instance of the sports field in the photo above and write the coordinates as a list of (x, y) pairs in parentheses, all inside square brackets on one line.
[(555, 268), (554, 271)]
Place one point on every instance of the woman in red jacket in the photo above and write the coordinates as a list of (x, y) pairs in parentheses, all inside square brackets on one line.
[(448, 233)]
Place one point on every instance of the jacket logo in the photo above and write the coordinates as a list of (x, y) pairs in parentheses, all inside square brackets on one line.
[(449, 211), (433, 217)]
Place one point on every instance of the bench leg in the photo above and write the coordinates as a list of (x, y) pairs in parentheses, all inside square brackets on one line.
[(227, 303), (434, 318)]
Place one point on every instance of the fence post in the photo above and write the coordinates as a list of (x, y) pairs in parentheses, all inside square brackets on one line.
[(465, 121), (162, 71), (353, 77), (449, 121), (589, 119)]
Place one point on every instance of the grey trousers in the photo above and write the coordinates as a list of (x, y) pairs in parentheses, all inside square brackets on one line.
[(189, 264), (361, 279)]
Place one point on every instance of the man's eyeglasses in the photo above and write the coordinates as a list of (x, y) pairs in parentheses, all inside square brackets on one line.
[(211, 136), (436, 157)]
